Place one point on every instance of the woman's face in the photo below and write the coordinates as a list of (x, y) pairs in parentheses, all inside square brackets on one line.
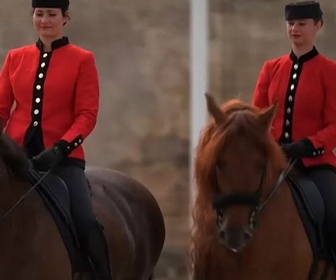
[(302, 31), (48, 22)]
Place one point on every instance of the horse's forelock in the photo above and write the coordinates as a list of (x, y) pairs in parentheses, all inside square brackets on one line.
[(245, 122), (14, 157), (212, 140)]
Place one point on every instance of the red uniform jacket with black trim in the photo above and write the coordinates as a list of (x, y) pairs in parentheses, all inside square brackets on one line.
[(55, 96), (305, 89)]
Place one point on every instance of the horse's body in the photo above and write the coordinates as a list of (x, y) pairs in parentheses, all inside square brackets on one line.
[(237, 167), (31, 247)]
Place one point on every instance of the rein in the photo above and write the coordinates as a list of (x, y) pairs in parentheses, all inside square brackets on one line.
[(281, 178), (22, 198)]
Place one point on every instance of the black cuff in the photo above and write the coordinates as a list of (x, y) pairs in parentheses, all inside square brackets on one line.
[(308, 146), (63, 146), (310, 150), (67, 147)]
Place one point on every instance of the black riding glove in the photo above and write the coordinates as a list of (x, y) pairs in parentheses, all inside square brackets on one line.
[(49, 157), (299, 149)]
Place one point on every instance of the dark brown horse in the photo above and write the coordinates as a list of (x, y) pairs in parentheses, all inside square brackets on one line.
[(245, 223), (31, 247)]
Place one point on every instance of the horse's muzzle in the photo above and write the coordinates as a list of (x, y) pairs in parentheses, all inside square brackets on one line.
[(235, 239)]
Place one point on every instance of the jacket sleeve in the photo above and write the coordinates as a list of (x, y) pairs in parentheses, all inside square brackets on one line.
[(6, 93), (326, 137), (260, 95), (86, 102)]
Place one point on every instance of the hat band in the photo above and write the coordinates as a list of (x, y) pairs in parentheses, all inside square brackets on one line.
[(50, 4), (312, 11)]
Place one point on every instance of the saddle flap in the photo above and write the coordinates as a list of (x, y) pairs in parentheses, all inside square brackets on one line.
[(54, 193), (310, 206), (310, 197), (53, 188)]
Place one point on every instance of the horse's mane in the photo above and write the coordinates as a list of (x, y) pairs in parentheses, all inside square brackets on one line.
[(211, 142), (14, 157)]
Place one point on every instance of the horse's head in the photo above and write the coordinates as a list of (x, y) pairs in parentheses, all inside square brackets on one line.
[(232, 167)]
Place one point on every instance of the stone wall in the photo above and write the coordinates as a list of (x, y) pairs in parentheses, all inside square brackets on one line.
[(142, 53)]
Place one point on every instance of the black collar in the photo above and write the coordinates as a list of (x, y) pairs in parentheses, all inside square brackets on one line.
[(303, 58), (55, 44)]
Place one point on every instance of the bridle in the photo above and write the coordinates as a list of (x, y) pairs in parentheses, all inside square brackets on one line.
[(222, 202)]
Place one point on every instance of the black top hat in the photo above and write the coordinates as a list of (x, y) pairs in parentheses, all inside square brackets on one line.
[(63, 4), (301, 10)]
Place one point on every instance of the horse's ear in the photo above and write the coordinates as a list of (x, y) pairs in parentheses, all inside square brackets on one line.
[(267, 116), (214, 109)]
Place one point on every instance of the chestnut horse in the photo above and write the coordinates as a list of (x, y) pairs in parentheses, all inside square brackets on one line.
[(245, 222), (31, 247)]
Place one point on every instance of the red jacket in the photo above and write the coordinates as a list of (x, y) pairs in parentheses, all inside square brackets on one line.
[(306, 93), (56, 95)]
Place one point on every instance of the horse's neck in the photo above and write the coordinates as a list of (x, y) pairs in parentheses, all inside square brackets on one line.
[(280, 222), (11, 191), (278, 194)]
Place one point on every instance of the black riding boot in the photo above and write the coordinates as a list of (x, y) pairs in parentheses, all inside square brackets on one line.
[(96, 248)]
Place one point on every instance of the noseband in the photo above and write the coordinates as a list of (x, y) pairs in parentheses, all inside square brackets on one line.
[(222, 202)]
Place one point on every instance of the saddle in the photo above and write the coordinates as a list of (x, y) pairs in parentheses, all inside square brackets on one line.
[(311, 209), (55, 196)]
